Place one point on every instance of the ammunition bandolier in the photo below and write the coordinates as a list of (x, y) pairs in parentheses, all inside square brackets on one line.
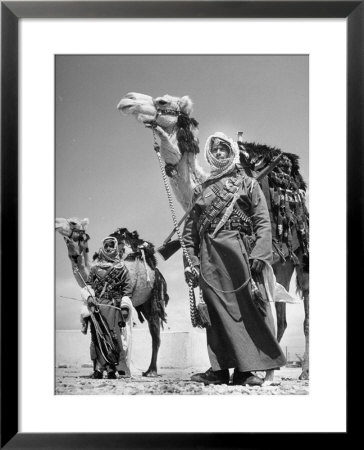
[(108, 285), (237, 220)]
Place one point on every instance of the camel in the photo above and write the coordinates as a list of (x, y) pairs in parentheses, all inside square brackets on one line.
[(149, 296), (74, 233), (169, 118)]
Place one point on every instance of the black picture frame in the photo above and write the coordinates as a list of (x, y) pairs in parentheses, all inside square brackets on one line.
[(11, 12)]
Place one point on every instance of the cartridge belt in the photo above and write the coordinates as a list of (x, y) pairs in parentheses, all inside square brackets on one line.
[(232, 224)]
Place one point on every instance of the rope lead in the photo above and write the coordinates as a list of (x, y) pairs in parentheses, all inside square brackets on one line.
[(194, 313)]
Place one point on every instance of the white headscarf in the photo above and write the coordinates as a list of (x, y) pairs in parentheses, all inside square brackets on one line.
[(110, 256), (221, 167)]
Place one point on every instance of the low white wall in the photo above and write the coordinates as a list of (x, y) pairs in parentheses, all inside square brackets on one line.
[(179, 349)]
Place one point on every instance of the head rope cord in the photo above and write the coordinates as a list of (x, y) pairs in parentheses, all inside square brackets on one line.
[(194, 313)]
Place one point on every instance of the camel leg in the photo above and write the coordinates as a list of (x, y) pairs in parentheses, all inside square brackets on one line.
[(283, 273), (154, 325), (303, 283), (306, 361), (154, 328)]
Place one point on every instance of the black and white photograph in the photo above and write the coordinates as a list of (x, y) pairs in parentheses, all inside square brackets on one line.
[(182, 224), (181, 186)]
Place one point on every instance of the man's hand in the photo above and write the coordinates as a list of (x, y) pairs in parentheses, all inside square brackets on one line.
[(91, 302), (126, 299), (192, 276), (86, 293), (144, 245), (256, 265)]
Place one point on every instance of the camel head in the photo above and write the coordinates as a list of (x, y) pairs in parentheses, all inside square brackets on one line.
[(164, 111), (74, 234), (169, 108), (169, 117), (71, 228)]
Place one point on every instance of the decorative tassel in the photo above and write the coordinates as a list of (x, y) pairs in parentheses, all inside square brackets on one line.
[(279, 251), (140, 313), (306, 262), (183, 121), (203, 312), (196, 148), (294, 259), (170, 170), (204, 315), (258, 299), (186, 140), (183, 146), (181, 135), (157, 306)]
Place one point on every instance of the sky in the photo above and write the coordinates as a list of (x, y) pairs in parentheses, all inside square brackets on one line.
[(107, 171)]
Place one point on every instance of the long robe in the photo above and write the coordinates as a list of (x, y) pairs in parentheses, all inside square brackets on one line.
[(111, 317), (240, 336)]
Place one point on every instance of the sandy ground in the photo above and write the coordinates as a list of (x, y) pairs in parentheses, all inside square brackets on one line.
[(76, 381)]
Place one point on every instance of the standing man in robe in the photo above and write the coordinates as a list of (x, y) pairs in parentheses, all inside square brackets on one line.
[(228, 238), (107, 293)]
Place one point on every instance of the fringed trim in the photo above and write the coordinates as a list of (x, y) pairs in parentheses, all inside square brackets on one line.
[(139, 311), (278, 250), (132, 238), (306, 262), (294, 259), (159, 297), (187, 141), (258, 151), (287, 193)]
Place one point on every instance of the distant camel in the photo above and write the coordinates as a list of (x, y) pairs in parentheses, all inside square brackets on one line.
[(149, 286)]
